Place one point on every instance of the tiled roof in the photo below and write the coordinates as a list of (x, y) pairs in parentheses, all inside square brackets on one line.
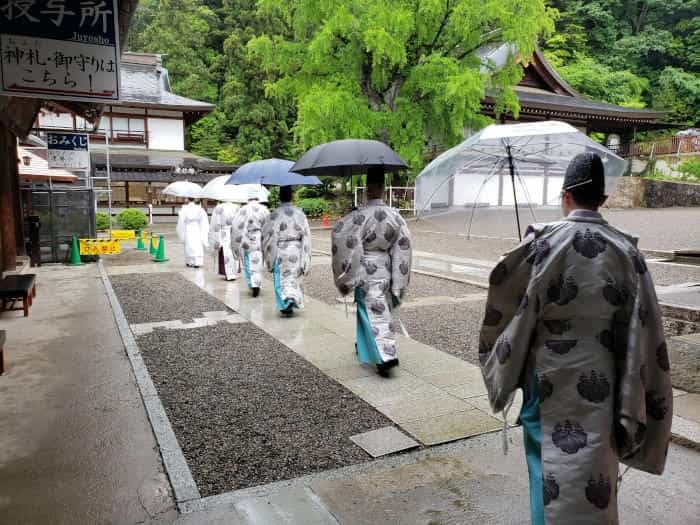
[(149, 164), (144, 81)]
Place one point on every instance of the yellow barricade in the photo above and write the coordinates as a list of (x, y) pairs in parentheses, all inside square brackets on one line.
[(100, 246), (124, 234)]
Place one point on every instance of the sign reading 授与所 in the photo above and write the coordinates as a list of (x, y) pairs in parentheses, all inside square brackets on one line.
[(69, 151), (62, 49)]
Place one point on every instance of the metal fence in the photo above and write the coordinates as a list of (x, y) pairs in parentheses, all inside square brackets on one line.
[(402, 198)]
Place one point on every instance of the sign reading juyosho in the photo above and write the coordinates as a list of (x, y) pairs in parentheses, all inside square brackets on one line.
[(65, 49), (68, 151)]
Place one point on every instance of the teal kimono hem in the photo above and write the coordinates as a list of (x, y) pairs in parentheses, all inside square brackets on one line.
[(532, 434), (367, 350), (280, 301), (246, 270)]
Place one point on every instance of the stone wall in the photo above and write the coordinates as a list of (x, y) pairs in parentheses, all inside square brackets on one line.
[(629, 193), (664, 194), (635, 192)]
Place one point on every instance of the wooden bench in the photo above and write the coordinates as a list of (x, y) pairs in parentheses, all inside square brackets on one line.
[(2, 351), (18, 287)]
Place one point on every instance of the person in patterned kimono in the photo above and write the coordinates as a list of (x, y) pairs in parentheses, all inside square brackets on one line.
[(247, 240), (572, 318), (286, 244), (220, 239), (372, 259)]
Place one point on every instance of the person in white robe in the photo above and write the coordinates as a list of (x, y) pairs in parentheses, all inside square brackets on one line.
[(371, 251), (247, 240), (287, 251), (193, 230), (573, 320), (220, 239)]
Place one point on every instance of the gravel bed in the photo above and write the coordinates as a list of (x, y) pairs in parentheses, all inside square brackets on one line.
[(319, 285), (452, 328), (148, 298), (252, 412)]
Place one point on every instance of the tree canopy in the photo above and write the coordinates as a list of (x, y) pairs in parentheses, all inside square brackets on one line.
[(286, 75), (405, 72), (640, 53)]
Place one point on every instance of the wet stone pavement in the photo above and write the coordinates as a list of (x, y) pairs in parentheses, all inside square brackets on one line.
[(457, 475)]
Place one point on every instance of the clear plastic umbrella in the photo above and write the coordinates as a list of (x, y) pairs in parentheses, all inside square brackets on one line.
[(217, 189), (184, 189), (509, 165)]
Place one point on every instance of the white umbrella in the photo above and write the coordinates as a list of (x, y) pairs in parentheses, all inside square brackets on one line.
[(503, 165), (183, 188), (217, 189)]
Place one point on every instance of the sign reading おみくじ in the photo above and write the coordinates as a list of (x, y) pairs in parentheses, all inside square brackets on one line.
[(69, 151), (64, 49)]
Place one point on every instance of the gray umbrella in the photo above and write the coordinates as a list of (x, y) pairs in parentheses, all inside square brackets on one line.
[(348, 157)]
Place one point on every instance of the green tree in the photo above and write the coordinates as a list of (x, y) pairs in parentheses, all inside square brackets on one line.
[(679, 93), (403, 71), (623, 41), (180, 29), (600, 82), (204, 42)]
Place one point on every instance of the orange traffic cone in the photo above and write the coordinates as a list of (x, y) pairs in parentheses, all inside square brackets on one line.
[(326, 223)]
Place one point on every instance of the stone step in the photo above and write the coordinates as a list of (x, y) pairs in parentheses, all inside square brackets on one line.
[(286, 506), (684, 354)]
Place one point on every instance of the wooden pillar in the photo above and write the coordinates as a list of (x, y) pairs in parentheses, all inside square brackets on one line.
[(8, 170), (18, 208), (126, 193)]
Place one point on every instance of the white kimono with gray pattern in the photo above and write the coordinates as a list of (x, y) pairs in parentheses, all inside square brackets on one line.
[(287, 240), (573, 311), (220, 237), (372, 251), (247, 238)]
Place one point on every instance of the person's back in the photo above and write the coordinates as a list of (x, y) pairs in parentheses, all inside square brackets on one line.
[(371, 250), (221, 239), (193, 231), (247, 240), (572, 318), (287, 250)]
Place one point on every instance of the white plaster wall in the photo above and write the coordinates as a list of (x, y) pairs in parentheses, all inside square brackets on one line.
[(167, 134), (51, 120)]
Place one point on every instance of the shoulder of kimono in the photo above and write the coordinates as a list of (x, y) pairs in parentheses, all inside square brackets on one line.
[(539, 229), (622, 235)]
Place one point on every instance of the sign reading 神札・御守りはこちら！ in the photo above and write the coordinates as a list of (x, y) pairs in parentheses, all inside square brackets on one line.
[(61, 49)]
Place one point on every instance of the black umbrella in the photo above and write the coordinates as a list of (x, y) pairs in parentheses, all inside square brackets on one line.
[(348, 157)]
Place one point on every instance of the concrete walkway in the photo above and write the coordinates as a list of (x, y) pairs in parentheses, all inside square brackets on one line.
[(75, 443)]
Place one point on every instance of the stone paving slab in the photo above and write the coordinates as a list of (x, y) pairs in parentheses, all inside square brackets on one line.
[(482, 403), (467, 390), (687, 406), (289, 507), (383, 441), (686, 430), (451, 427), (197, 322), (407, 410)]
